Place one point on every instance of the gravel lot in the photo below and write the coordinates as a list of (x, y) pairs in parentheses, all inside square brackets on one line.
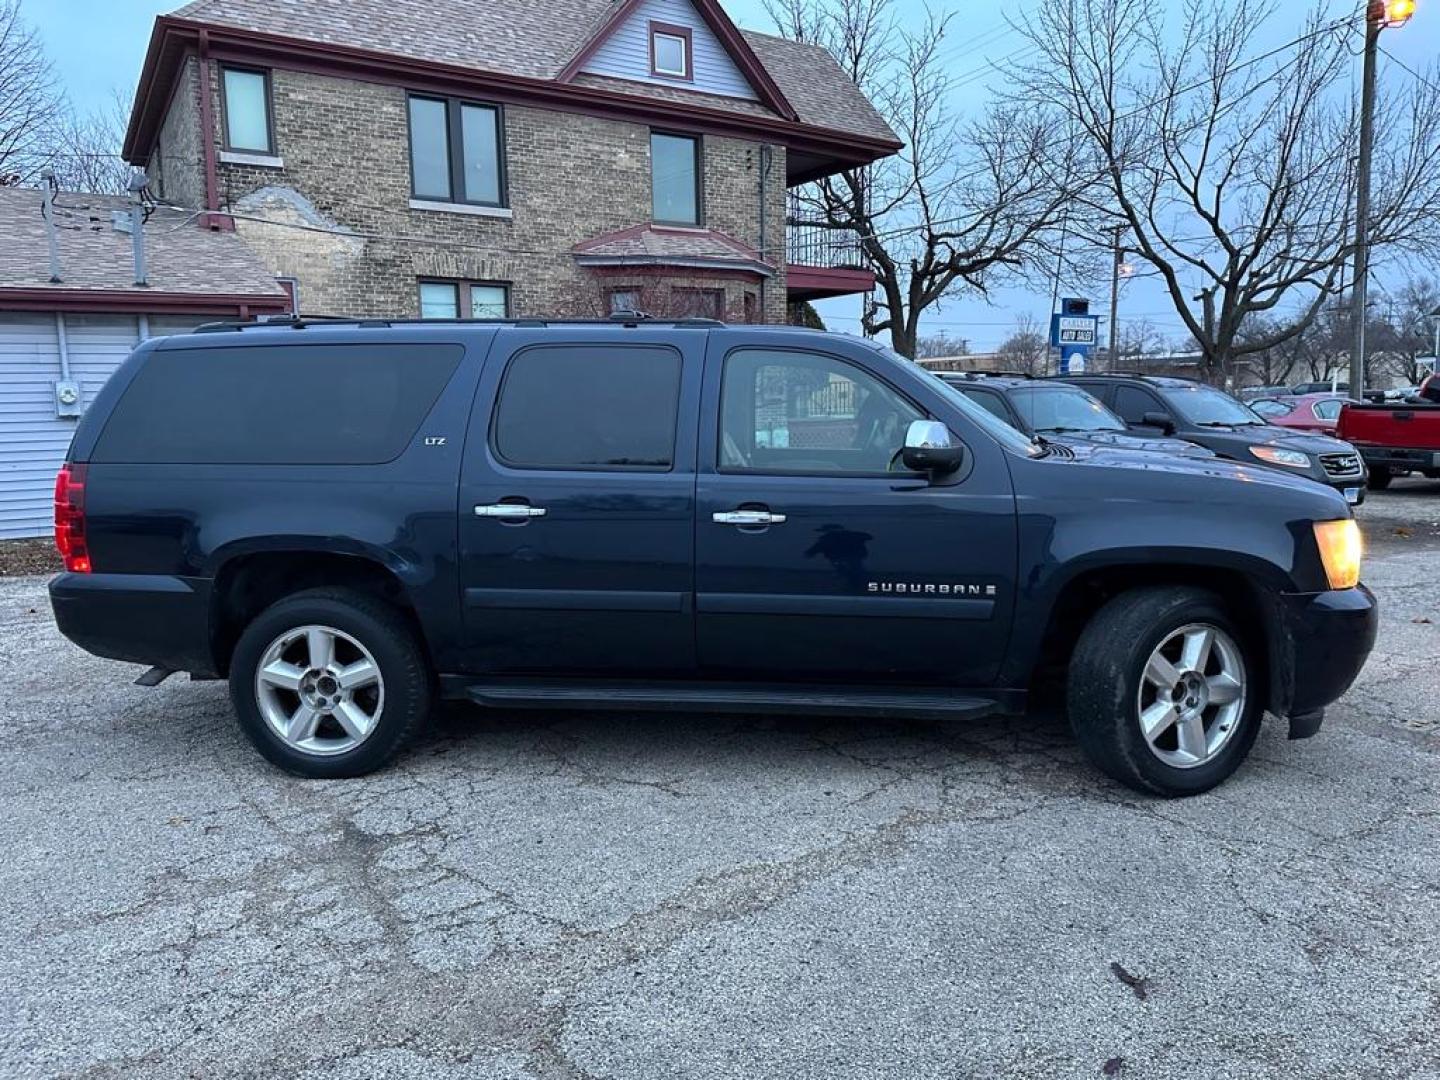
[(540, 895)]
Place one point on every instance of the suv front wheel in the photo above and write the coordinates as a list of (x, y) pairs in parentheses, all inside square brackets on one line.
[(1163, 691), (329, 683)]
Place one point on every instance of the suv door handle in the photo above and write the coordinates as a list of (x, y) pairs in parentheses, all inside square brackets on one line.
[(509, 510), (747, 517)]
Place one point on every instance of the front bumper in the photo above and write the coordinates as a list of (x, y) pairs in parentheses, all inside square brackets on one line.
[(1319, 644), (140, 618)]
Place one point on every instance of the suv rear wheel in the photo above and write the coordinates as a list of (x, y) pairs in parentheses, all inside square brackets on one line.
[(1163, 691), (329, 683), (1380, 477)]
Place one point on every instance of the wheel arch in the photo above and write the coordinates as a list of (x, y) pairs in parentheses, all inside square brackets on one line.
[(248, 582)]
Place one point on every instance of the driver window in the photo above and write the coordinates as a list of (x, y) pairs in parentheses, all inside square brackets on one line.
[(804, 412)]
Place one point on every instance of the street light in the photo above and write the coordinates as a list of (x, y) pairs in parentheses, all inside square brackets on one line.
[(1379, 14)]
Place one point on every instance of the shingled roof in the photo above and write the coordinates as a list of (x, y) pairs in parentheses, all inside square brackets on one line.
[(97, 259), (657, 245), (536, 39)]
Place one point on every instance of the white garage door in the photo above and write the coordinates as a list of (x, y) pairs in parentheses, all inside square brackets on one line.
[(33, 440)]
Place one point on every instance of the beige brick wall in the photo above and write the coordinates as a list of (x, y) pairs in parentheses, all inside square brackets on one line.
[(176, 169), (336, 216)]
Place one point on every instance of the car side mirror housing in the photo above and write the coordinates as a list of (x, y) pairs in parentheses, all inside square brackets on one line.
[(930, 447), (1159, 420)]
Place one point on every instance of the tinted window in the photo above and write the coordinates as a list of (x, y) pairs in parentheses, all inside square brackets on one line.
[(277, 405), (803, 412), (1132, 404), (987, 400), (588, 407)]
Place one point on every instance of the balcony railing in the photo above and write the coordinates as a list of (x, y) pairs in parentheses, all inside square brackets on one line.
[(809, 243)]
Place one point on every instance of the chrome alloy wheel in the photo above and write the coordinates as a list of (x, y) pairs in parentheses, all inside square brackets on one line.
[(319, 689), (1192, 695)]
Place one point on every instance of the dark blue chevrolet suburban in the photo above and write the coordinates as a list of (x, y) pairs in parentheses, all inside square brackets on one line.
[(351, 519)]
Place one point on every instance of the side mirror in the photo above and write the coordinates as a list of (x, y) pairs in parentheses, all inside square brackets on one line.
[(1159, 420), (931, 448)]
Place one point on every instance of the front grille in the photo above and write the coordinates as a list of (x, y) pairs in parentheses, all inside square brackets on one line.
[(1340, 465)]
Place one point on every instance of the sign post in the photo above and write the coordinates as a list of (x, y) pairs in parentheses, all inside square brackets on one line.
[(1074, 331)]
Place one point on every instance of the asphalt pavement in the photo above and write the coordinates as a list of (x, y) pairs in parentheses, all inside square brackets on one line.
[(567, 896)]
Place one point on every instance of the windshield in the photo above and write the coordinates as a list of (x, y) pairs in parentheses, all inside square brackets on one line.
[(1053, 408), (1002, 432), (1203, 405)]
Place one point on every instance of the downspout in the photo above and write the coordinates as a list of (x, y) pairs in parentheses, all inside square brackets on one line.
[(764, 172), (213, 220)]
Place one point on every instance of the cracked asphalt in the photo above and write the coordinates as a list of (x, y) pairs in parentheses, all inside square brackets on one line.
[(552, 896)]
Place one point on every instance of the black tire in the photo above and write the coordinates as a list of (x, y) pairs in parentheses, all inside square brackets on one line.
[(1104, 681), (1380, 478), (384, 632)]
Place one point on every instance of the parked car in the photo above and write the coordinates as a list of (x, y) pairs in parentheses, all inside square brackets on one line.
[(1396, 438), (1309, 412), (1159, 405), (351, 520), (1059, 411), (1254, 393), (1301, 389)]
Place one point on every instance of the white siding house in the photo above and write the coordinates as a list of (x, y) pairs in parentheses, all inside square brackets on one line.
[(59, 337)]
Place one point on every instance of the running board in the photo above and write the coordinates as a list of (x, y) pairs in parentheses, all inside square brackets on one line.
[(720, 697)]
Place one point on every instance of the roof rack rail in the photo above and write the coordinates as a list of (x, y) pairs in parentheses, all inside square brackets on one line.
[(302, 322)]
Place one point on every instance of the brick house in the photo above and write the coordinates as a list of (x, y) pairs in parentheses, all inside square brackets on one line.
[(505, 157)]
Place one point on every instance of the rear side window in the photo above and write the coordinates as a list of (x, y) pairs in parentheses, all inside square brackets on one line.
[(277, 405), (589, 407)]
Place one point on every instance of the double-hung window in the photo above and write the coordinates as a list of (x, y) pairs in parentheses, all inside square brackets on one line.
[(675, 179), (456, 152), (245, 97)]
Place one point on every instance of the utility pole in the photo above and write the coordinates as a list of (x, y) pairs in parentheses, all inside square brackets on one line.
[(1115, 297), (1378, 15)]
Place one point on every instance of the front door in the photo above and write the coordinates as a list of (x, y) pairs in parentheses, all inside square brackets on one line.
[(817, 555), (577, 505)]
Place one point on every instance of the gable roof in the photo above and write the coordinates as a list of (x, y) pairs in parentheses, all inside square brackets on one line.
[(538, 40), (720, 25), (98, 260)]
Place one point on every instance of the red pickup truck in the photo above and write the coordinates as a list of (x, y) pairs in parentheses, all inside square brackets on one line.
[(1398, 437)]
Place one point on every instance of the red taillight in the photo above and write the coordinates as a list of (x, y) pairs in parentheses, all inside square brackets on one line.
[(70, 518)]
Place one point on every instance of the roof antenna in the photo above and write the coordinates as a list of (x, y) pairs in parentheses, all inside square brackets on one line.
[(47, 211)]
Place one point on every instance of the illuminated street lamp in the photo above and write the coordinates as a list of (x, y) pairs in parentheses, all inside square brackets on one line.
[(1379, 14)]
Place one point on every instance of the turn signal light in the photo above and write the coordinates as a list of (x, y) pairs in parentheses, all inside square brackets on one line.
[(1340, 551), (70, 518)]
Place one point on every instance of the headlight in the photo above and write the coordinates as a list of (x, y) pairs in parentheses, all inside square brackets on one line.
[(1340, 551), (1274, 456)]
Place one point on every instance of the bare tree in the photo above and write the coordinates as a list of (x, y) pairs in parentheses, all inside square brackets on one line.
[(30, 102), (84, 151), (929, 346), (1231, 168), (1403, 332), (963, 204), (1027, 348)]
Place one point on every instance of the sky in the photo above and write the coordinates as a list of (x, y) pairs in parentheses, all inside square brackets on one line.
[(97, 47)]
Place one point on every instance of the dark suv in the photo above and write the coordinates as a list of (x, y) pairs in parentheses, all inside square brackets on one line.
[(1059, 411), (351, 520), (1159, 405)]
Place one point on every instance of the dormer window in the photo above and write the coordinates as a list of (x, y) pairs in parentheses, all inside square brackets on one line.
[(671, 55)]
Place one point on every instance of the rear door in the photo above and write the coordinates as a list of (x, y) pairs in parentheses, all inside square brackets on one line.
[(577, 503), (818, 557)]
